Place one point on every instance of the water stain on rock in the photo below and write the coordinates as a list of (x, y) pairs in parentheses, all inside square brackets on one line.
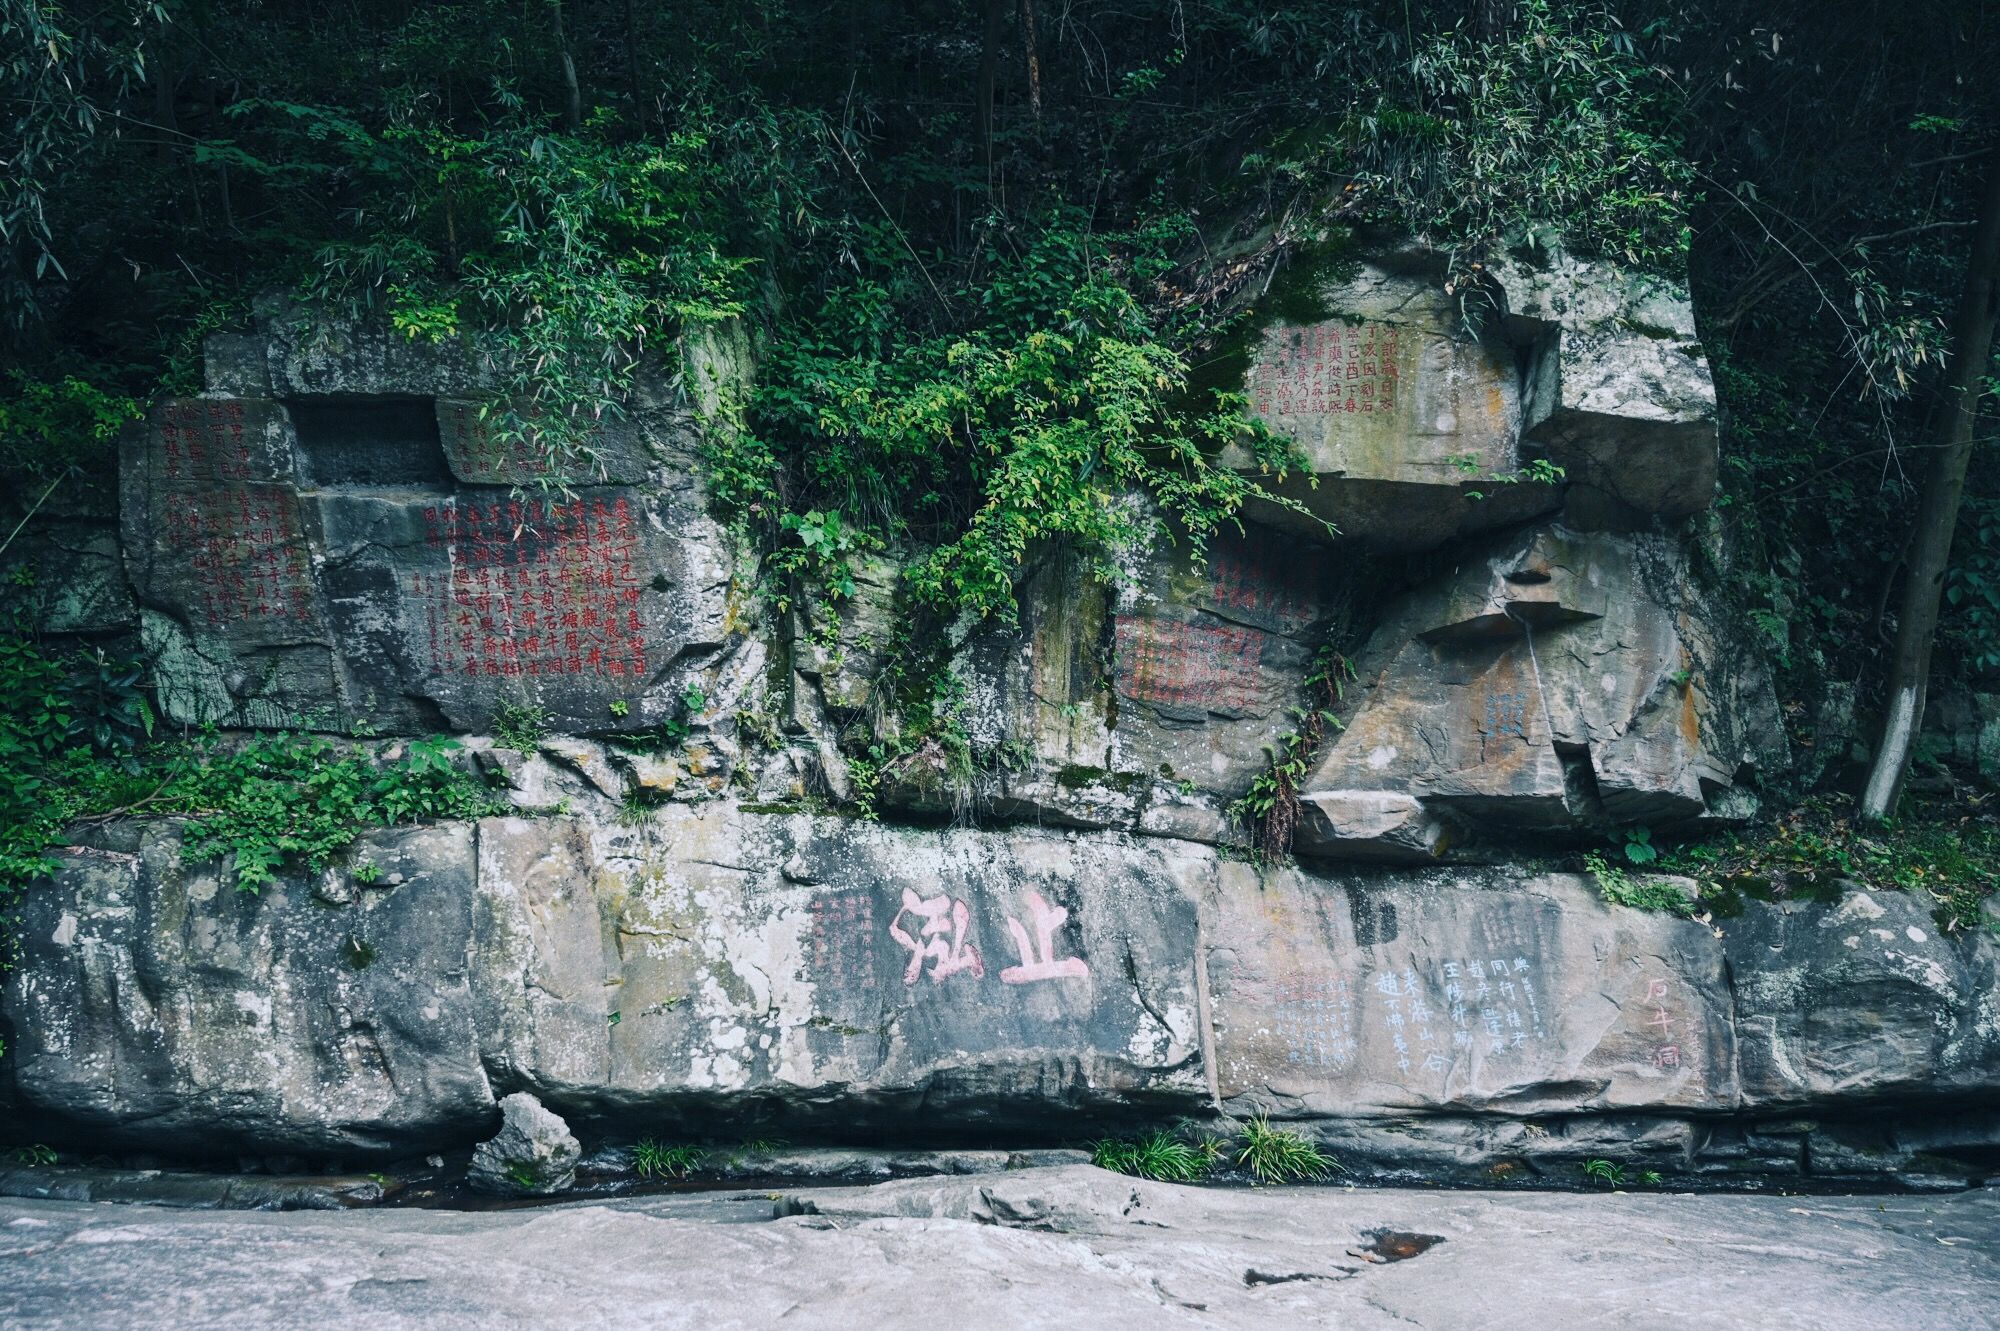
[(1394, 1245)]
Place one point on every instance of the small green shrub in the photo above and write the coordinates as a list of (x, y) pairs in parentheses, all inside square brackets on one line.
[(1614, 1175), (670, 733), (1639, 848), (1278, 1155), (1622, 889)]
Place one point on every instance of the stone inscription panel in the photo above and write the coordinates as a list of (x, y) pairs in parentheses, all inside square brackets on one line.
[(1194, 665), (481, 452), (1314, 1020), (1221, 636), (215, 537), (842, 941), (246, 556), (1275, 590), (1389, 400), (1477, 997), (527, 589), (205, 441), (370, 596), (1323, 368), (944, 963)]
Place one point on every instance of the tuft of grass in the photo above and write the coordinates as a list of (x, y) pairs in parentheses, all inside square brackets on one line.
[(1614, 1175), (1157, 1155), (1608, 1172), (1278, 1155), (654, 1160)]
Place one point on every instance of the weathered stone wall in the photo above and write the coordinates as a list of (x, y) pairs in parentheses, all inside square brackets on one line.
[(362, 545), (810, 975), (63, 573), (1554, 679), (336, 536)]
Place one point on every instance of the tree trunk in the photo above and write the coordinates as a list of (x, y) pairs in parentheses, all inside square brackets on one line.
[(638, 94), (166, 74), (572, 93), (1034, 59), (989, 68), (1937, 512)]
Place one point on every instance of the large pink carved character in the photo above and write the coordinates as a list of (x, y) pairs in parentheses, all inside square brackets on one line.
[(941, 915), (1038, 956)]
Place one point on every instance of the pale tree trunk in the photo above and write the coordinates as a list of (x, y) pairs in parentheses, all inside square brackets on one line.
[(1034, 59), (638, 94), (1937, 512), (989, 68), (572, 93)]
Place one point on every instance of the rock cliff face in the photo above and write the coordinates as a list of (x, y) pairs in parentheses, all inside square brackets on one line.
[(810, 976), (683, 937)]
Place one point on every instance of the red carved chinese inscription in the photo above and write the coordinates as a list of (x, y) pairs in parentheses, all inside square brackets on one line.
[(534, 589), (204, 439), (1194, 665), (477, 447), (1327, 368), (246, 550), (1283, 591)]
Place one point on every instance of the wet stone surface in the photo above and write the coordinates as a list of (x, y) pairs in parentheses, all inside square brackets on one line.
[(1036, 1248)]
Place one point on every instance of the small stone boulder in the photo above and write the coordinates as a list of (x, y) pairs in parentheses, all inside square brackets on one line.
[(533, 1155)]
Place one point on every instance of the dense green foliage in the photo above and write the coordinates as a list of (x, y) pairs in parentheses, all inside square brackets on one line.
[(78, 743), (1823, 304), (978, 326), (1946, 850)]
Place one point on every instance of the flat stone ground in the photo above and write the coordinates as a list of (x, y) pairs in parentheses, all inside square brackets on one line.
[(1069, 1247)]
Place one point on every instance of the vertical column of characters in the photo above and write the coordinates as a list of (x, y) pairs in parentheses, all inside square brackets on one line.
[(1389, 986), (1659, 1021), (622, 636), (1367, 371), (434, 589)]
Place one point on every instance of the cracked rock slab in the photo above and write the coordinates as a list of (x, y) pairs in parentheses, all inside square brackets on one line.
[(1100, 1251)]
